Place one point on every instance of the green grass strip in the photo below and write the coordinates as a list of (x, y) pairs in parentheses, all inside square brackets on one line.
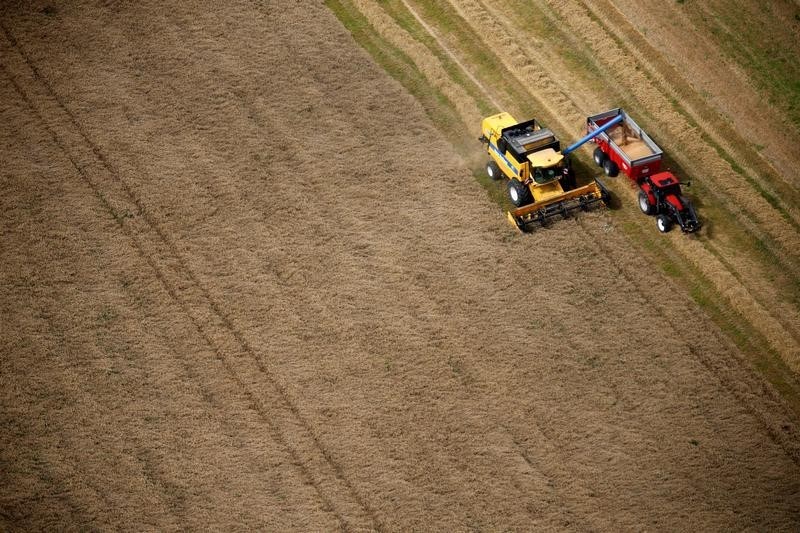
[(403, 69), (406, 20), (488, 67)]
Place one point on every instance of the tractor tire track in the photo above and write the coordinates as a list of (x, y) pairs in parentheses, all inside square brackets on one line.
[(74, 375), (429, 65), (80, 168), (734, 373), (436, 37), (268, 396)]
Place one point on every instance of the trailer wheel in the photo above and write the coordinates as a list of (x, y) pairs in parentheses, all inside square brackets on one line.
[(519, 193), (492, 170), (645, 205), (599, 157), (610, 168), (664, 223)]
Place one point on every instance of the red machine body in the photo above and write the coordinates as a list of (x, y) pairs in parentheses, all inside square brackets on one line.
[(627, 148)]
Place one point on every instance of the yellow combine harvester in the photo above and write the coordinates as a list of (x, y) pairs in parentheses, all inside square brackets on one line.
[(541, 183)]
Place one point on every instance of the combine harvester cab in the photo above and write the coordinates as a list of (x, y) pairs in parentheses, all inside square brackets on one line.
[(541, 183), (626, 147)]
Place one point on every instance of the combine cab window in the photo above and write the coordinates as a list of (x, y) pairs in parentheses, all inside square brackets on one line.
[(544, 175)]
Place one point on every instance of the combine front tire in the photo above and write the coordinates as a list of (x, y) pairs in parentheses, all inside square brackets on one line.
[(664, 223), (599, 157), (610, 168), (645, 205), (519, 193), (493, 171)]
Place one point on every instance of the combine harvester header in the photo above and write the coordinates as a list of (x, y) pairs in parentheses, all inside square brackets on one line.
[(541, 183)]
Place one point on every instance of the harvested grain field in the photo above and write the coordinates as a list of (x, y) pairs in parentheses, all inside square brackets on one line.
[(238, 293)]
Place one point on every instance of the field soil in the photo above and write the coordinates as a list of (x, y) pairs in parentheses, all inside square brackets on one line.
[(248, 284)]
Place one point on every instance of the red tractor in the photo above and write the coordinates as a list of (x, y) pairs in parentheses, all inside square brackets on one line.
[(660, 195), (628, 148)]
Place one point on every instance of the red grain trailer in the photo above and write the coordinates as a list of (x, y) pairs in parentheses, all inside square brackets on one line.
[(626, 147)]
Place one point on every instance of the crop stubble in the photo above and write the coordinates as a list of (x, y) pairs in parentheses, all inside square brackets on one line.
[(235, 296), (743, 282), (694, 153), (687, 43)]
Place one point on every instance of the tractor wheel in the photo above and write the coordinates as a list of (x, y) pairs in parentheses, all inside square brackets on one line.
[(599, 157), (610, 168), (645, 205), (519, 193), (493, 171), (664, 223)]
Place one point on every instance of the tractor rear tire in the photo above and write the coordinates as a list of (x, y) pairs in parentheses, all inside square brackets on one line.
[(610, 168), (664, 223), (599, 157), (493, 171), (645, 205), (519, 193)]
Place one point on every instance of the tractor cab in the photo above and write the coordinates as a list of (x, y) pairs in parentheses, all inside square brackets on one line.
[(666, 188), (666, 183)]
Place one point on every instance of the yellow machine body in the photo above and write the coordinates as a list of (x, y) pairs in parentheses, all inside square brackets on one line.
[(492, 128), (532, 158)]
